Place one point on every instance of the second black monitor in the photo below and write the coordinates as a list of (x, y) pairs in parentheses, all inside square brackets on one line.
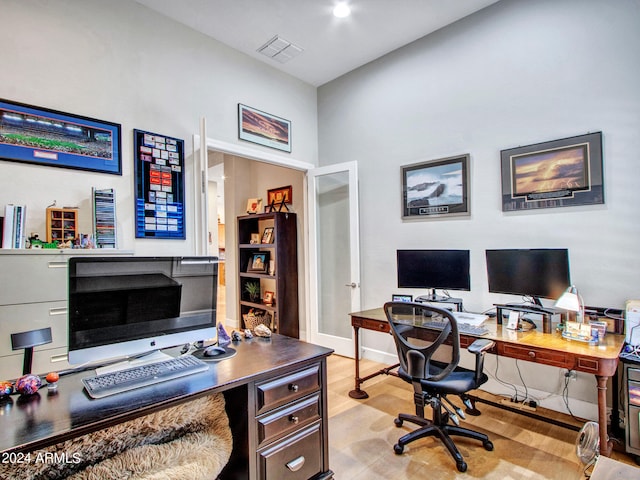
[(537, 273)]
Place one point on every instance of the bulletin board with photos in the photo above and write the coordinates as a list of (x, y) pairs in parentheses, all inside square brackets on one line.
[(160, 196)]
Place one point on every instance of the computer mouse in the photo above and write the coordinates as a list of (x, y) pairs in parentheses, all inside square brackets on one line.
[(213, 351)]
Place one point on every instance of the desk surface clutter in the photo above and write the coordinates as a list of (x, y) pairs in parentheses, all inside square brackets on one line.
[(265, 377)]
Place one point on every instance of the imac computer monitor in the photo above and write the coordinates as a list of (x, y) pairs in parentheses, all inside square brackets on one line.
[(537, 273), (434, 269), (123, 307)]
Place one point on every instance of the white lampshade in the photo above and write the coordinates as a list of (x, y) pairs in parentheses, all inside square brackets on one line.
[(569, 300)]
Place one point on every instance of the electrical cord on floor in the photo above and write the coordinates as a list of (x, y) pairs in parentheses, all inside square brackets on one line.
[(565, 397), (506, 384), (526, 390)]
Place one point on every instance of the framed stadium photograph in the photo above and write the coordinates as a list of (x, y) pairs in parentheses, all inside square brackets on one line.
[(42, 136)]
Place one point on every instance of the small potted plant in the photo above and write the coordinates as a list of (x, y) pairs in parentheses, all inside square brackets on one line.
[(253, 290)]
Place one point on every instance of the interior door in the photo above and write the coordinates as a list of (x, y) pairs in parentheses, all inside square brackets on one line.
[(334, 254)]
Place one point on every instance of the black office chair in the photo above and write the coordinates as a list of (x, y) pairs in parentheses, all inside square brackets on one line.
[(434, 373)]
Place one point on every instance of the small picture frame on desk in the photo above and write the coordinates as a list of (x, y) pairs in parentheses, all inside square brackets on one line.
[(402, 298)]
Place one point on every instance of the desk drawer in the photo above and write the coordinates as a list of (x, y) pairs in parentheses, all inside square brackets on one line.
[(370, 324), (532, 354), (290, 387), (287, 419), (296, 457)]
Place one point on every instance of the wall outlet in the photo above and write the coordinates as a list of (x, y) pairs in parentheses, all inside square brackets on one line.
[(570, 374)]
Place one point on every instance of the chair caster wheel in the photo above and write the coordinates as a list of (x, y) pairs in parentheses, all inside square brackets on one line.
[(398, 422), (488, 445), (398, 449), (462, 466)]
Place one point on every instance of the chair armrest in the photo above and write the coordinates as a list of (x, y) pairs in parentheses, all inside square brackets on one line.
[(480, 345)]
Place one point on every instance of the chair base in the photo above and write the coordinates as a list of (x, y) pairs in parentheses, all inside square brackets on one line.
[(429, 428)]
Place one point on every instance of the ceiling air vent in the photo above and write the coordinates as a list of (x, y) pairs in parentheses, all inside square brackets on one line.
[(280, 49)]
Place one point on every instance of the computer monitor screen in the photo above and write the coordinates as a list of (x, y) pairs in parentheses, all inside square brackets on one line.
[(434, 269), (537, 273), (126, 306)]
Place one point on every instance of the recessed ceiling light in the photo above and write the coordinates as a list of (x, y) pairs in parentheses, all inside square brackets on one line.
[(341, 10)]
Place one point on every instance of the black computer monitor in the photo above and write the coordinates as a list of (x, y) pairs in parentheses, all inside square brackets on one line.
[(536, 273), (434, 269), (123, 307)]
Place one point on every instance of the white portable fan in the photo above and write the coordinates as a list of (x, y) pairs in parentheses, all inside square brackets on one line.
[(588, 444)]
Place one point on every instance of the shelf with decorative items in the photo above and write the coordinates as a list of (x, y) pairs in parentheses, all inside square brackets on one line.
[(62, 224), (268, 271)]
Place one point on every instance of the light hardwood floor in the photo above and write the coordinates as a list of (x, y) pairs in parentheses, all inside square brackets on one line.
[(362, 435)]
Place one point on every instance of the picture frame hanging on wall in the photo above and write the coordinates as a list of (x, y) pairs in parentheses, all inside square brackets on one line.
[(264, 128), (559, 173), (42, 136), (159, 195), (436, 188)]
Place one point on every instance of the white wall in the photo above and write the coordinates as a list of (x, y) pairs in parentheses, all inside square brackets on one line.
[(121, 62), (516, 73)]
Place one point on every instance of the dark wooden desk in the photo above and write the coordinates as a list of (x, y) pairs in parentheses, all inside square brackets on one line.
[(534, 346), (37, 421)]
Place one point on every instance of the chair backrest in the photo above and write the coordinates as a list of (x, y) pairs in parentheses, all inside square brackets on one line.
[(417, 344)]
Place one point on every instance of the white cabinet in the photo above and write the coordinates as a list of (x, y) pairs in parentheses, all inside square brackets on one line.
[(33, 295)]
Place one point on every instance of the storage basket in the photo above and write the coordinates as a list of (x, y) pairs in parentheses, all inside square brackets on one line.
[(253, 319)]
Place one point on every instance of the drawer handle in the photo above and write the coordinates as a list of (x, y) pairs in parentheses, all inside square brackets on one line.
[(58, 311), (293, 387), (532, 354), (59, 358), (294, 419), (57, 264), (295, 465)]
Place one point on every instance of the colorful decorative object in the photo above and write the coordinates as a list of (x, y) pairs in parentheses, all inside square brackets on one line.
[(52, 380), (6, 388), (223, 336), (28, 384)]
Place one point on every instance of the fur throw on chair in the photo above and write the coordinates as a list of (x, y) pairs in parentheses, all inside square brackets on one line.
[(189, 441)]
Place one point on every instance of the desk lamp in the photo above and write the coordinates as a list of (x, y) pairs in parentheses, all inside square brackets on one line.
[(571, 301)]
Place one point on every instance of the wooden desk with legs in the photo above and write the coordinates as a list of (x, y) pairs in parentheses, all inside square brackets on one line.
[(533, 346)]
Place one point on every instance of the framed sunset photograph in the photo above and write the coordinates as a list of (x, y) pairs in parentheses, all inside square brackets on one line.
[(559, 173), (263, 128)]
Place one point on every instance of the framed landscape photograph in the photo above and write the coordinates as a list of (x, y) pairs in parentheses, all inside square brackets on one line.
[(42, 136), (436, 188), (560, 173), (263, 128)]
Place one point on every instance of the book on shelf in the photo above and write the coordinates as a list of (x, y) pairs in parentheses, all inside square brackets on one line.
[(104, 217), (13, 228)]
